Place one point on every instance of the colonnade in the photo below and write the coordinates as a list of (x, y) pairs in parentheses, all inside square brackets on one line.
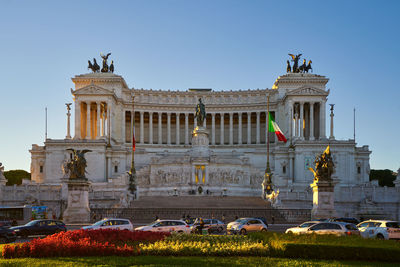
[(92, 119), (174, 128), (308, 120)]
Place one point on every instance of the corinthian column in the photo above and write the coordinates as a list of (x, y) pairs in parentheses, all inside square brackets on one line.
[(168, 128), (311, 120), (77, 120), (248, 127), (240, 129), (87, 120), (177, 129), (222, 129), (141, 127), (231, 128), (150, 128), (98, 104), (213, 128), (186, 128), (301, 120), (159, 128)]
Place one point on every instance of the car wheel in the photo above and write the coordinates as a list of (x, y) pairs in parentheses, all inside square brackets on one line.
[(290, 232), (3, 240), (264, 230), (243, 231), (220, 229), (380, 236)]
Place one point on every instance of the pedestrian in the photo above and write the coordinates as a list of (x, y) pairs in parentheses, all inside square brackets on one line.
[(156, 217), (201, 226), (223, 218), (272, 219), (236, 217)]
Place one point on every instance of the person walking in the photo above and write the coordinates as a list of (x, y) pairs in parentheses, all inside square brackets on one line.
[(201, 226)]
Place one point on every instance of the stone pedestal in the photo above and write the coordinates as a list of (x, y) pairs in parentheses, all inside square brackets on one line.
[(323, 200), (200, 157), (78, 210), (200, 142)]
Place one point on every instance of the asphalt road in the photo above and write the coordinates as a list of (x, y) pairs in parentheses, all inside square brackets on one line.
[(279, 228)]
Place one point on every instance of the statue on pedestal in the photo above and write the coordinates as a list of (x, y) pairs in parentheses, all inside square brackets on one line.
[(75, 168), (200, 113), (323, 187), (324, 167)]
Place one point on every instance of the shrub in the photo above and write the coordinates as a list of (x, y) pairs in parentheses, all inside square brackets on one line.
[(82, 243)]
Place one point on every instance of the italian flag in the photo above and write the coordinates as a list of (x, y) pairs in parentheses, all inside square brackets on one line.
[(274, 128)]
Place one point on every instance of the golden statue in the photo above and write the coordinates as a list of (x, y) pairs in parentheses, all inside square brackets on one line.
[(324, 167)]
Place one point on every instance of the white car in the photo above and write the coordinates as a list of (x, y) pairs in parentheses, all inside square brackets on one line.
[(245, 225), (177, 226), (302, 228), (111, 223), (379, 229), (333, 228)]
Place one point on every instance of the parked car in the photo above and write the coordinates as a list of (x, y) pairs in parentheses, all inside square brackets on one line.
[(111, 223), (380, 229), (301, 229), (177, 226), (348, 220), (211, 225), (245, 225), (7, 235), (333, 228), (39, 227)]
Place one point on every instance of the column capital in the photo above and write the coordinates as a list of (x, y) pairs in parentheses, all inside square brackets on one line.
[(258, 112), (213, 114), (150, 113), (248, 113), (141, 112)]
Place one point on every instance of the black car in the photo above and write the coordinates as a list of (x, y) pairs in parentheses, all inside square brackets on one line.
[(39, 227), (6, 235)]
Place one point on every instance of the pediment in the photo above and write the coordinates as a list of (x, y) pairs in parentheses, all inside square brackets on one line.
[(308, 90), (92, 89)]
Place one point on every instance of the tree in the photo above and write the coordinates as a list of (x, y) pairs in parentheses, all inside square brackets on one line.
[(16, 176), (385, 177)]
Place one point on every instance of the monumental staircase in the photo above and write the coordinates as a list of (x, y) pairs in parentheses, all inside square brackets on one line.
[(147, 209)]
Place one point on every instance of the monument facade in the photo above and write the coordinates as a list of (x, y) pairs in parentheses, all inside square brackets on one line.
[(224, 155)]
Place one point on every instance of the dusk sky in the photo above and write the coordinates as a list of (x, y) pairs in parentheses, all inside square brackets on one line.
[(223, 45)]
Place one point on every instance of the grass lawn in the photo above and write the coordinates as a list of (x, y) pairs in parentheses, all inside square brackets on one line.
[(181, 261)]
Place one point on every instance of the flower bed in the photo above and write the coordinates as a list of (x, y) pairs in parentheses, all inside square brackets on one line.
[(82, 243)]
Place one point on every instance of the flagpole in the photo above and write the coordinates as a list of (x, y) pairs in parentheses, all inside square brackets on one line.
[(267, 183), (132, 172), (268, 118)]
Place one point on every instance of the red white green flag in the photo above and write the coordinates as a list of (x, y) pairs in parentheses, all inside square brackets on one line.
[(274, 128)]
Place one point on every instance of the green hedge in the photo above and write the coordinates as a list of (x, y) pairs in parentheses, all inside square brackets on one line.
[(334, 252)]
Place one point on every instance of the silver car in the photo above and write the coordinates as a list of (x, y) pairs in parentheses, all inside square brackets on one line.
[(333, 228), (245, 225)]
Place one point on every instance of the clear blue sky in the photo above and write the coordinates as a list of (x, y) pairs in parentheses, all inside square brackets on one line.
[(224, 45)]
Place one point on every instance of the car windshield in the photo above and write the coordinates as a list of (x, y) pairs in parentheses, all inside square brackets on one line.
[(153, 223), (307, 224), (99, 223), (31, 223), (241, 221)]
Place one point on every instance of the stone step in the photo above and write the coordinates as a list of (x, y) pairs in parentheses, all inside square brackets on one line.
[(201, 202)]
